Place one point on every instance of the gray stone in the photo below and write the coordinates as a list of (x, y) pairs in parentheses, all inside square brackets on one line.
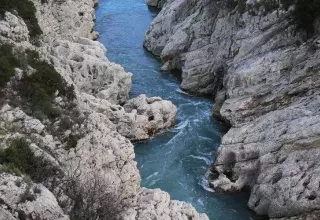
[(265, 80)]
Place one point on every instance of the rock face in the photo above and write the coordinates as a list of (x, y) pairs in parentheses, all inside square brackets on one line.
[(21, 199), (154, 203), (151, 115), (265, 78), (156, 3), (91, 140), (14, 28), (83, 62)]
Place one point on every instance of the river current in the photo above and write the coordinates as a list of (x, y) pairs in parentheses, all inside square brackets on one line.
[(174, 161)]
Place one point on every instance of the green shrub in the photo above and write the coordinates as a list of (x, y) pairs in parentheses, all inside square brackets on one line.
[(7, 64), (26, 11), (19, 156), (19, 159), (38, 89)]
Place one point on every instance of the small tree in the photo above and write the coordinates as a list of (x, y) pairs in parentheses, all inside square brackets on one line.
[(92, 198)]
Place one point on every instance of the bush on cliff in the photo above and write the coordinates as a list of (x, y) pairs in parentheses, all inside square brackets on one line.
[(92, 197), (7, 64), (39, 88), (19, 159), (19, 155), (36, 90), (26, 11)]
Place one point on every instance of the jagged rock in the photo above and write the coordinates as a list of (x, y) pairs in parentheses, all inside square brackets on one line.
[(17, 119), (269, 93), (157, 204), (188, 43), (307, 216), (107, 153), (98, 146), (27, 200), (153, 3), (139, 118), (14, 28), (83, 63), (66, 20), (156, 3), (151, 115)]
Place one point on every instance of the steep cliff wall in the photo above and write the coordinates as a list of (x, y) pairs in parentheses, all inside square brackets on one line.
[(264, 75), (66, 121)]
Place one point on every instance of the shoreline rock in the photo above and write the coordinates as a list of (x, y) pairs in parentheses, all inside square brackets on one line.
[(265, 80), (90, 140)]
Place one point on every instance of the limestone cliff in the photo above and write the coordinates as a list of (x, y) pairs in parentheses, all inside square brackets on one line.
[(66, 121), (264, 75)]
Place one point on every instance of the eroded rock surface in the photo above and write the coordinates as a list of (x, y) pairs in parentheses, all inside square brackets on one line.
[(265, 78), (90, 141), (23, 199), (156, 203)]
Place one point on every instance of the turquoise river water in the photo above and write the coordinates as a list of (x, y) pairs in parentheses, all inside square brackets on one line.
[(174, 161)]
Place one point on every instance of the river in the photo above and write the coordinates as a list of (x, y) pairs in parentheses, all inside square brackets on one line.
[(174, 161)]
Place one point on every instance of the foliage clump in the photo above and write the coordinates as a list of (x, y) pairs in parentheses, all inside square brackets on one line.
[(19, 159), (38, 87), (7, 64), (26, 10), (92, 198)]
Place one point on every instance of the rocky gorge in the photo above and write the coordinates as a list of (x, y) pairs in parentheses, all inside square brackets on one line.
[(67, 123), (263, 74)]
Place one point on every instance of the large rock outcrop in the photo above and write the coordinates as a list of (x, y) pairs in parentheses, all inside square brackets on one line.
[(88, 145), (264, 76)]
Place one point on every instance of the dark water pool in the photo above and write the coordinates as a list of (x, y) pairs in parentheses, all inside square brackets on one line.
[(177, 160)]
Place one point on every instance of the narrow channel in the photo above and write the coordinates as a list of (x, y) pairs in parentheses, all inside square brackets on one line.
[(174, 161)]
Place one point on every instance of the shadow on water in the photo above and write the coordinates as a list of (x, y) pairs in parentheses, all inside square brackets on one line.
[(176, 160)]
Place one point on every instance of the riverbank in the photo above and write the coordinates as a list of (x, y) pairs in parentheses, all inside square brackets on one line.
[(74, 123), (263, 73)]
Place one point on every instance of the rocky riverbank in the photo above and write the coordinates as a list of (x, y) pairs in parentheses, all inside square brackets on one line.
[(66, 122), (264, 76)]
